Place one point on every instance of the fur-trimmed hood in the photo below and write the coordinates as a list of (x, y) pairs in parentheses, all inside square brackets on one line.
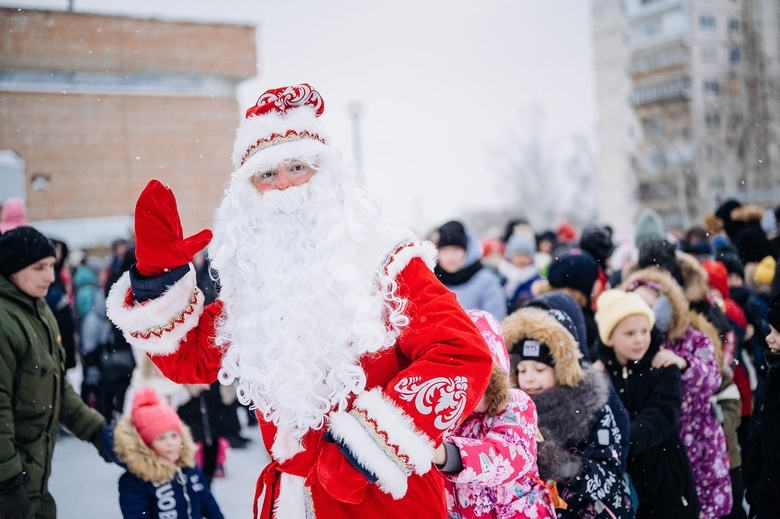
[(565, 415), (142, 461), (539, 325), (748, 213), (673, 292), (694, 275)]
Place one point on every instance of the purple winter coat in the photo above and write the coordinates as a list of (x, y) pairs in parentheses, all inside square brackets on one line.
[(699, 431)]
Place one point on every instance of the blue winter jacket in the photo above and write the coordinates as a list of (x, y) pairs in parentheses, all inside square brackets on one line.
[(154, 488), (481, 291)]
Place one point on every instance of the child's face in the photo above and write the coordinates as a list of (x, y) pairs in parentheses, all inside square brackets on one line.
[(452, 258), (773, 340), (631, 338), (534, 377), (521, 260), (168, 445)]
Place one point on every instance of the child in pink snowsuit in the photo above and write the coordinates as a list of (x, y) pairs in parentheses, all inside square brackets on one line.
[(490, 467)]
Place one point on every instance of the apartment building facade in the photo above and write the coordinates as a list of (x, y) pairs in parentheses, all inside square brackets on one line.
[(696, 134)]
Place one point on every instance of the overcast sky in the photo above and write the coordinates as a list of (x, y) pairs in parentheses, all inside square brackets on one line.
[(441, 82)]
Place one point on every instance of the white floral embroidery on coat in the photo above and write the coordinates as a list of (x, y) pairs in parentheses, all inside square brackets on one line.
[(443, 396)]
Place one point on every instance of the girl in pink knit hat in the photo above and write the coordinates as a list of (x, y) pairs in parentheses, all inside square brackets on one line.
[(162, 479)]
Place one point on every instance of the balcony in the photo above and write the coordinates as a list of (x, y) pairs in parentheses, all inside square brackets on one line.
[(673, 89)]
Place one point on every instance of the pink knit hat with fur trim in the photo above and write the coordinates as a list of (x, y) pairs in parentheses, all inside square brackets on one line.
[(490, 329), (151, 417)]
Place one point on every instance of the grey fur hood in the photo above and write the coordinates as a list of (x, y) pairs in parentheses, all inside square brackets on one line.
[(565, 415)]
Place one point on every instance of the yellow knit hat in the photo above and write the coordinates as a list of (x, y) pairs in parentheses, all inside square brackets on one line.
[(615, 305), (765, 271)]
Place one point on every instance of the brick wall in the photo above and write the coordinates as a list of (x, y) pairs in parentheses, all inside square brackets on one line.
[(61, 41), (99, 150)]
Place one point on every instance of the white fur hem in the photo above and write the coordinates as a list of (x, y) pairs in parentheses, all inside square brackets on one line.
[(400, 429), (291, 502), (347, 430), (156, 326)]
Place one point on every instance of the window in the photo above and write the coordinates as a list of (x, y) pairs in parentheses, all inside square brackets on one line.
[(711, 87), (707, 23), (652, 127), (709, 56), (735, 56), (733, 26), (712, 120)]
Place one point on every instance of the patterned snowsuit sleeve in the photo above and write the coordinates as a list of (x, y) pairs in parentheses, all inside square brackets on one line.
[(507, 452), (702, 376)]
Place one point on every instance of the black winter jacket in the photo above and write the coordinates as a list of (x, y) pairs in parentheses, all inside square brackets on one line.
[(657, 462), (762, 475)]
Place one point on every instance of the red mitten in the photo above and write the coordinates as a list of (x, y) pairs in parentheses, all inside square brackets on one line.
[(338, 477), (159, 243)]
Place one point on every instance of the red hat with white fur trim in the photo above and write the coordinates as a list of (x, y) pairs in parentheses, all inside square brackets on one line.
[(283, 124)]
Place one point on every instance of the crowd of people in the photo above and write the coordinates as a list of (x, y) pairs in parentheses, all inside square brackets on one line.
[(681, 324), (537, 373), (74, 290)]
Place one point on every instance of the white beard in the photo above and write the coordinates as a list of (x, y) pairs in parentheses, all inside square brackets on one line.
[(300, 302)]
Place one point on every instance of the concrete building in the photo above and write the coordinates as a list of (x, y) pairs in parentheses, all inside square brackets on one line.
[(617, 126), (94, 106), (693, 95)]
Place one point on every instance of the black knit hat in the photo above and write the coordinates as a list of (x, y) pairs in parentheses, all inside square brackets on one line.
[(453, 233), (596, 240), (21, 247), (662, 253), (730, 257), (575, 271), (531, 349)]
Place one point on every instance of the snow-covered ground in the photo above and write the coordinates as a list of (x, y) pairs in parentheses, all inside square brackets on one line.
[(84, 486)]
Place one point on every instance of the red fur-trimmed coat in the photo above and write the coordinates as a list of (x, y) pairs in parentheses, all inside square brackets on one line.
[(416, 391)]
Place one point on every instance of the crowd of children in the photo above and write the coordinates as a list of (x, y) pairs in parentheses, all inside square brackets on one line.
[(647, 371)]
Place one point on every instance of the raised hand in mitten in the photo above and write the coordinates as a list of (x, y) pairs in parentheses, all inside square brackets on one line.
[(160, 244)]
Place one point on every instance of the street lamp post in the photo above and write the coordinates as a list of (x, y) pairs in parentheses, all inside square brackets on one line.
[(355, 109)]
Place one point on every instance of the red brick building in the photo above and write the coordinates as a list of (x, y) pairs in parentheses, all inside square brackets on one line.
[(97, 105)]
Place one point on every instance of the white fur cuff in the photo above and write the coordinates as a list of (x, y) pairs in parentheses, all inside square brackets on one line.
[(157, 325), (384, 440), (348, 430), (399, 429)]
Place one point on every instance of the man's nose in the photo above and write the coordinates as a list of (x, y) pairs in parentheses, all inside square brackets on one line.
[(283, 179)]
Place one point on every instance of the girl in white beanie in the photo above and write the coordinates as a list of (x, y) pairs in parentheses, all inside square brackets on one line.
[(657, 460)]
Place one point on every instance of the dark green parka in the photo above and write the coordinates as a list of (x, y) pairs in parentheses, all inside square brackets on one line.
[(35, 398)]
